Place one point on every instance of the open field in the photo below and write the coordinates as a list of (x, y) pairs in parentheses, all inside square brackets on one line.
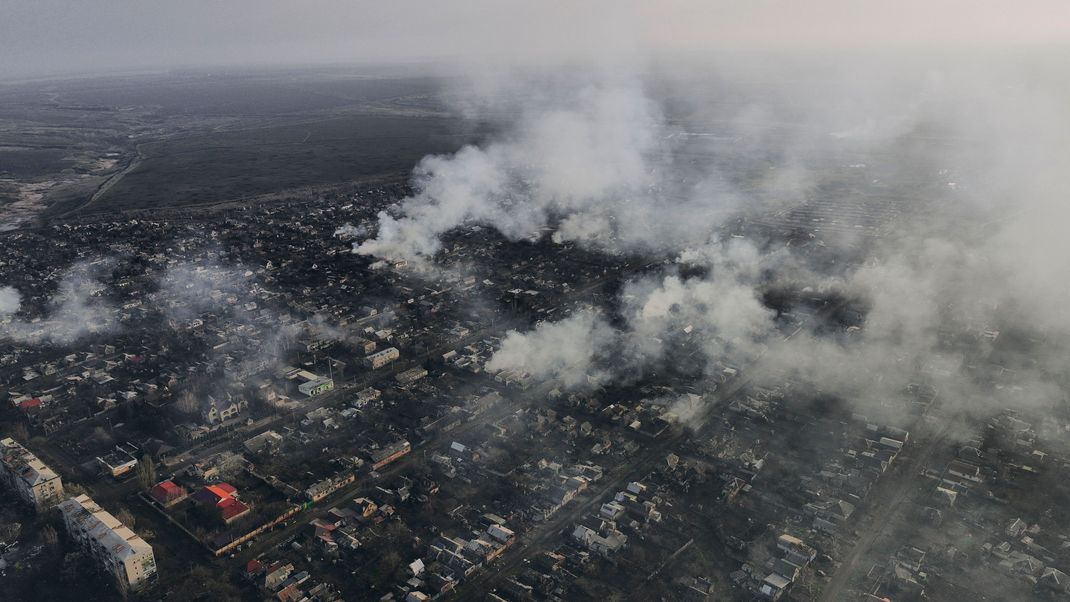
[(96, 145), (235, 164)]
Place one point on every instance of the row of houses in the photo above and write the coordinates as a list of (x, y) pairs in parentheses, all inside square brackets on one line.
[(450, 560), (630, 508), (287, 584), (844, 482), (781, 572)]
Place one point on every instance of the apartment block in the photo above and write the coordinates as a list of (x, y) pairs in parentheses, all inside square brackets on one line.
[(34, 482), (112, 545)]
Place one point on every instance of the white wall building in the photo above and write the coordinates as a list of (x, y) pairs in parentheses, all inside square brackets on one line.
[(37, 484), (112, 545), (381, 358)]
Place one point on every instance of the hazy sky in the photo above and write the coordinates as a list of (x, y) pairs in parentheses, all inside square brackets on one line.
[(40, 37)]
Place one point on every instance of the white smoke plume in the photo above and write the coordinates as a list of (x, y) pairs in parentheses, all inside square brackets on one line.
[(726, 317), (566, 353), (10, 300), (75, 310), (349, 231), (720, 315), (988, 264), (592, 158), (968, 149), (188, 289), (321, 327)]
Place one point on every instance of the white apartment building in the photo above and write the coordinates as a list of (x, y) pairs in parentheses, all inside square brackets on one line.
[(381, 358), (117, 549), (34, 482)]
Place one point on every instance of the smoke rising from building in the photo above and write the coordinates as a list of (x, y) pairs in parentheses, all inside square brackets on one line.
[(75, 310), (566, 353), (10, 300), (606, 164)]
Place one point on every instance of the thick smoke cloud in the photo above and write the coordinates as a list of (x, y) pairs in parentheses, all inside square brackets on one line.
[(349, 231), (10, 300), (564, 353), (584, 157), (975, 154), (76, 309), (726, 317), (720, 316), (993, 261), (671, 123), (189, 289)]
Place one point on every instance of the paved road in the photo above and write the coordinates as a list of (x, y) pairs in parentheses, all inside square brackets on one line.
[(546, 536), (884, 501), (107, 185), (363, 487)]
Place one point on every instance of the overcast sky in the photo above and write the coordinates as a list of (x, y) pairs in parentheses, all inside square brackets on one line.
[(42, 37)]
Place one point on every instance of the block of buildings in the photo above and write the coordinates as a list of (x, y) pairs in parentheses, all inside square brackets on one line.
[(605, 541), (316, 386), (215, 411), (266, 442), (113, 546), (407, 377), (381, 358), (119, 461), (321, 489), (388, 454), (33, 481), (307, 383), (366, 396)]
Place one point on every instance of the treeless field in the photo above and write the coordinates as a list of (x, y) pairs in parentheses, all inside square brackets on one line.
[(235, 164)]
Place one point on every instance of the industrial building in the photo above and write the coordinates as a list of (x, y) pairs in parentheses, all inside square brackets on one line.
[(119, 461), (307, 383)]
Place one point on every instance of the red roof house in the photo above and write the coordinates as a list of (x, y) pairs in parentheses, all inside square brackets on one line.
[(231, 509), (167, 493), (253, 567), (221, 495), (213, 494), (28, 405)]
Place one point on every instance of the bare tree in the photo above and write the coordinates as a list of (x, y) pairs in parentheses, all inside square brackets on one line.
[(125, 517), (101, 436), (389, 563), (187, 403), (49, 536), (19, 432), (146, 472)]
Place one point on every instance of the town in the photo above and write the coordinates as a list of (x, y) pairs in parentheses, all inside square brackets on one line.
[(517, 301), (238, 393)]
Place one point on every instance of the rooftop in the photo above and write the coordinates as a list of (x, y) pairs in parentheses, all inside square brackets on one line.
[(111, 534), (22, 462)]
